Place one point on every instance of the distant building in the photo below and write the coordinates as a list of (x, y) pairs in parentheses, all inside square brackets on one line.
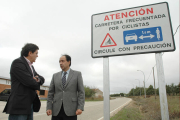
[(6, 83), (98, 93)]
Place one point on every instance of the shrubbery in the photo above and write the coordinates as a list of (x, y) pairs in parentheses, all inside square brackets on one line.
[(89, 92), (170, 89)]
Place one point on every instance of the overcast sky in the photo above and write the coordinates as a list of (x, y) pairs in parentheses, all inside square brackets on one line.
[(64, 27)]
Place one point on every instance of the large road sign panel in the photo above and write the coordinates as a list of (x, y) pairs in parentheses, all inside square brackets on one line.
[(138, 30)]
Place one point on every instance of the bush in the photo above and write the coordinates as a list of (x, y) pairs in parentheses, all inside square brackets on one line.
[(89, 92)]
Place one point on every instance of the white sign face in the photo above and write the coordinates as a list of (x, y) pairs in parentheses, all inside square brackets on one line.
[(139, 30)]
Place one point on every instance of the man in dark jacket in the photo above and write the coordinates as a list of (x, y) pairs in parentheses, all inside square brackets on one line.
[(23, 99)]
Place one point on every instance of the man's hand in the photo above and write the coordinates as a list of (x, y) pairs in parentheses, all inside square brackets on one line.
[(78, 112), (49, 112), (36, 78)]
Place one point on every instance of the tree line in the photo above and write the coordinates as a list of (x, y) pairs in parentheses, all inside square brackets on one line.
[(170, 90)]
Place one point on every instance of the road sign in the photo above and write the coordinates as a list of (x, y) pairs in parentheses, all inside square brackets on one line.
[(138, 30), (108, 41), (145, 35)]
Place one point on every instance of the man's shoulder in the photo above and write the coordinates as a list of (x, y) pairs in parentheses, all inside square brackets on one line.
[(20, 59), (18, 63), (57, 73), (75, 71)]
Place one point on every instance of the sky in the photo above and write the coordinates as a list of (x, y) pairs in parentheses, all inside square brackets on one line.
[(64, 27)]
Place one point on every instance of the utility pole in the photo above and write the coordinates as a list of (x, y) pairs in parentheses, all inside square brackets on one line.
[(139, 86), (144, 89), (133, 89), (144, 83), (154, 83)]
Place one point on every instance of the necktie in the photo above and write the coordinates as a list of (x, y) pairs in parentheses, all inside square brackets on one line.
[(64, 79)]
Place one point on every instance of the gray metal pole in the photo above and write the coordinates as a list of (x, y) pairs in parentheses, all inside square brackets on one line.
[(106, 88), (144, 86), (162, 87), (154, 84), (139, 86), (144, 83), (133, 90)]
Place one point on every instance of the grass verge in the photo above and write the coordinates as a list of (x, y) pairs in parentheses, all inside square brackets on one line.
[(148, 109)]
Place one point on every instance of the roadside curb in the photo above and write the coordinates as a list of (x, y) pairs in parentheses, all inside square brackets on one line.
[(112, 113)]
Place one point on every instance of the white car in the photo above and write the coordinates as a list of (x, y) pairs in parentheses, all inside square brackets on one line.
[(132, 36)]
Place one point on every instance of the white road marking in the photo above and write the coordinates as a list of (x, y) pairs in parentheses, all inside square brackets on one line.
[(115, 109)]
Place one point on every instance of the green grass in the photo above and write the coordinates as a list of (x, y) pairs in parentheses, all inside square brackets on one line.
[(127, 114)]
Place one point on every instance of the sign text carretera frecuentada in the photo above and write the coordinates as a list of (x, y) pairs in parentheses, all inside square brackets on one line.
[(144, 29)]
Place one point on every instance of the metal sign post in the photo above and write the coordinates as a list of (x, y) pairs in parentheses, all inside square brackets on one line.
[(162, 89), (106, 88)]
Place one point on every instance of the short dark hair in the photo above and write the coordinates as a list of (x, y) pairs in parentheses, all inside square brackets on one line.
[(68, 58), (27, 48)]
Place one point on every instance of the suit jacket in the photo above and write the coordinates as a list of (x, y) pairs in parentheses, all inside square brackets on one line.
[(23, 89), (72, 96)]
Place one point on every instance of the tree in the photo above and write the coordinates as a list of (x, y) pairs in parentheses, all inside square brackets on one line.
[(122, 94), (131, 92), (142, 91), (168, 90), (157, 91), (89, 92), (177, 88), (150, 90), (137, 91), (115, 95), (172, 87)]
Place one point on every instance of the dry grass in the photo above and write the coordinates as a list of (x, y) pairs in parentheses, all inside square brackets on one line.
[(149, 109), (173, 106)]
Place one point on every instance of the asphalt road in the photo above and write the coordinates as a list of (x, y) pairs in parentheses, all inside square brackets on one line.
[(92, 110)]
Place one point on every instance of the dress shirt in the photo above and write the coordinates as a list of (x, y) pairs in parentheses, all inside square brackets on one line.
[(66, 74), (30, 65)]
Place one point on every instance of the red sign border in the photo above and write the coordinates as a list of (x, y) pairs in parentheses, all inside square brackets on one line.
[(111, 39)]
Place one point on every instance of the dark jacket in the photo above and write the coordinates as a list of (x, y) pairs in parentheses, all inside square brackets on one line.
[(23, 89)]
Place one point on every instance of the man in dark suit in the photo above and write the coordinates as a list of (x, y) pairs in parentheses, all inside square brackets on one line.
[(23, 99), (66, 92)]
